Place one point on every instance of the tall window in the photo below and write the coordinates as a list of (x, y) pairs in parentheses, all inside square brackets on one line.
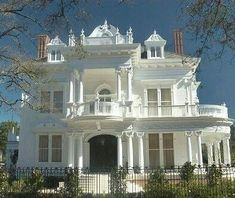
[(45, 101), (168, 150), (43, 148), (53, 55), (166, 101), (56, 148), (52, 101), (58, 102), (159, 105), (152, 52), (154, 151), (152, 102), (58, 55)]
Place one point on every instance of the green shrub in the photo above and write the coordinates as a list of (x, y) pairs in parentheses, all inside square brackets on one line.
[(159, 186), (118, 182), (187, 172), (3, 181), (71, 184), (35, 182), (214, 175)]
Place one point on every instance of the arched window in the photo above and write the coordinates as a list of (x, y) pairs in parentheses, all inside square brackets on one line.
[(58, 55), (52, 55), (104, 95)]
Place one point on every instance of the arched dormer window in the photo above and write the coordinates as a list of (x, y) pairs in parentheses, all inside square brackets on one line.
[(53, 55)]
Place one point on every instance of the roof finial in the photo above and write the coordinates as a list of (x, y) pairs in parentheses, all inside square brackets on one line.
[(71, 31), (82, 32), (154, 32), (105, 22), (130, 30), (117, 32)]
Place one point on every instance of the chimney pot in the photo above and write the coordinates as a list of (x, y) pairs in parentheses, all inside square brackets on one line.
[(178, 38), (43, 40)]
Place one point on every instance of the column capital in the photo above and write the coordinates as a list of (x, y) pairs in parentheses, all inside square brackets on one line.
[(227, 136), (198, 133), (119, 135), (189, 133), (129, 133), (139, 134)]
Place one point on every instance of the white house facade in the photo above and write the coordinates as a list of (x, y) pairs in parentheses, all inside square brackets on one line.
[(119, 104)]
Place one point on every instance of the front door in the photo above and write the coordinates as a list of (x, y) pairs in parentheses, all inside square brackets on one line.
[(103, 152)]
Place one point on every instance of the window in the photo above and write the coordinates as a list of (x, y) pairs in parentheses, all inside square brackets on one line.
[(56, 148), (152, 102), (53, 55), (166, 101), (105, 99), (58, 102), (52, 101), (152, 52), (50, 148), (45, 101), (154, 151), (159, 105), (58, 55), (43, 148), (168, 150), (155, 52)]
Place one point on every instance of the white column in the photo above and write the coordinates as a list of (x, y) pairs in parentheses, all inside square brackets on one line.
[(141, 150), (226, 148), (210, 153), (216, 152), (80, 151), (199, 147), (71, 88), (119, 96), (120, 157), (81, 87), (129, 84), (162, 52), (130, 149), (189, 145), (70, 151)]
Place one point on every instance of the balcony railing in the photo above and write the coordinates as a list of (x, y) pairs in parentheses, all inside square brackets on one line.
[(213, 110), (98, 108)]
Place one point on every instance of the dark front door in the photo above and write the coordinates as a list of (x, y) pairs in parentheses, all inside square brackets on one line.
[(103, 152)]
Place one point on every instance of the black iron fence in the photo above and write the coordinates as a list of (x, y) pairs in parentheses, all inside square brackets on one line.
[(186, 181)]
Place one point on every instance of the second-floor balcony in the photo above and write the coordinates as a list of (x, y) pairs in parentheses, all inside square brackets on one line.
[(100, 108)]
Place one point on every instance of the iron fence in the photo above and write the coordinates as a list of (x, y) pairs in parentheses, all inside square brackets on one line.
[(186, 181)]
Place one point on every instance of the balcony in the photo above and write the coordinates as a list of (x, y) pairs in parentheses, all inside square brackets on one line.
[(219, 111), (98, 108), (213, 110)]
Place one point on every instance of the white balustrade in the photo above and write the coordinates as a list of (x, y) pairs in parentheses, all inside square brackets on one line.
[(213, 110)]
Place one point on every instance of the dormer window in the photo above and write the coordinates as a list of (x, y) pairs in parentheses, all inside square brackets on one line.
[(155, 46), (58, 55), (55, 56), (152, 52)]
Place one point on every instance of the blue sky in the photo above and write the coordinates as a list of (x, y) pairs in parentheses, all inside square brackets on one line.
[(217, 76)]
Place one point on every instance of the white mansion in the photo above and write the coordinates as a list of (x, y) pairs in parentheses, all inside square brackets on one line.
[(122, 104)]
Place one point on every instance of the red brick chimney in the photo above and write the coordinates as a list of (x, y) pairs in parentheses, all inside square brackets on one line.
[(178, 38), (43, 40)]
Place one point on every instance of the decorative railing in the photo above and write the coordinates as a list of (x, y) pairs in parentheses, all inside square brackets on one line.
[(98, 108), (213, 110)]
